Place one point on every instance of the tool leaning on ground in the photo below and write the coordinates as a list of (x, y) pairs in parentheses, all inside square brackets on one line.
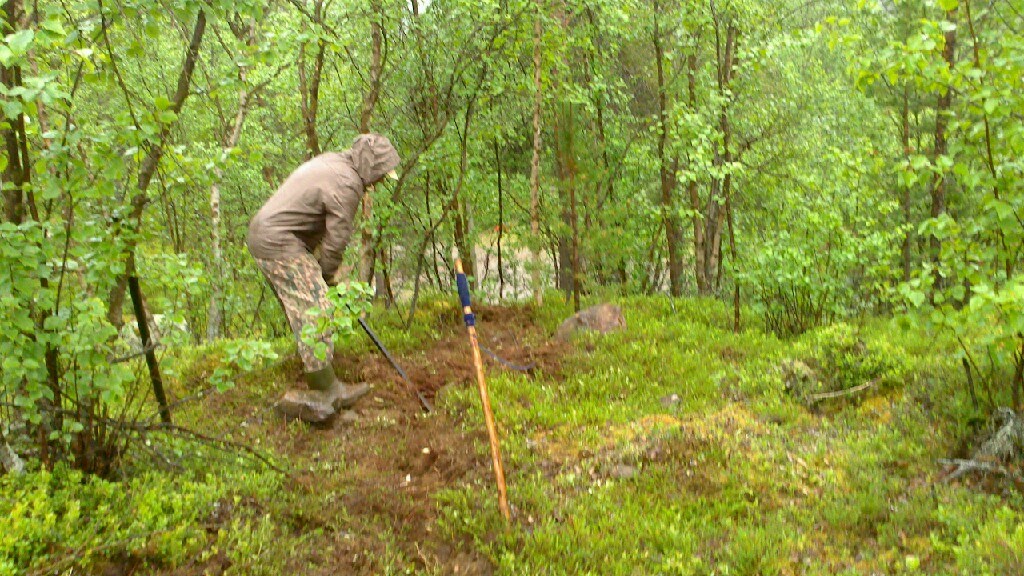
[(408, 383), (313, 410), (492, 431)]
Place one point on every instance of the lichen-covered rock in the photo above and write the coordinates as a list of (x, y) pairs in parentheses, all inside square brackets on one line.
[(9, 460), (601, 318), (799, 379), (1005, 443)]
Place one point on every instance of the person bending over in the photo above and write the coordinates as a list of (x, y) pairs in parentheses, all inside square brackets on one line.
[(316, 206)]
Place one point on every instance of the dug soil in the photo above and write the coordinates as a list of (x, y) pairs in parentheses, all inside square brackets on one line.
[(367, 481)]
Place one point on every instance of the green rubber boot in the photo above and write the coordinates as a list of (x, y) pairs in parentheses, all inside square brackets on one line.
[(326, 395), (335, 393)]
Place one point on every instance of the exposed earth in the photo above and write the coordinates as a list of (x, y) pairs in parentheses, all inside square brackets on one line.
[(374, 470)]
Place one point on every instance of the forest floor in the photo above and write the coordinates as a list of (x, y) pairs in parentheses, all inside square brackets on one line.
[(673, 447), (381, 464)]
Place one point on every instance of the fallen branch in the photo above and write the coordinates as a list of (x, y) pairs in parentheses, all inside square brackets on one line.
[(220, 443), (841, 393), (965, 466)]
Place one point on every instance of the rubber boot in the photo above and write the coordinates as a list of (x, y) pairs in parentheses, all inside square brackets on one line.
[(335, 393)]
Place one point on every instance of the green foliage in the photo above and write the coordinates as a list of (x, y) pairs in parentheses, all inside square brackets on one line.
[(845, 360), (61, 519), (240, 356), (348, 303), (967, 284)]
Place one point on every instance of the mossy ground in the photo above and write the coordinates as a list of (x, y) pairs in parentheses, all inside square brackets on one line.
[(669, 448)]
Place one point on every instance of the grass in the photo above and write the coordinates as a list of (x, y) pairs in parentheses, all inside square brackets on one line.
[(669, 448)]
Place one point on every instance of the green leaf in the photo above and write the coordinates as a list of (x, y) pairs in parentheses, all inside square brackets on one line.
[(20, 41), (948, 5), (53, 25), (916, 298), (11, 109)]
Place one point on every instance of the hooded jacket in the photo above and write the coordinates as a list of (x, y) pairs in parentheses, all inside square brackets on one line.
[(318, 202)]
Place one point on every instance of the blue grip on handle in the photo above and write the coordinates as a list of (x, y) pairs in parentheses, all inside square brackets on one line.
[(463, 284)]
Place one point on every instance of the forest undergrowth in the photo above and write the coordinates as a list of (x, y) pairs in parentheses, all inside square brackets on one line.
[(675, 446)]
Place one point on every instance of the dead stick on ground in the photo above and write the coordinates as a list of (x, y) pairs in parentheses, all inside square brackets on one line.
[(492, 430), (846, 392)]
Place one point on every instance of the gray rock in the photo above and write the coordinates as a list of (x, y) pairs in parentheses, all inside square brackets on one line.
[(9, 460), (670, 400), (348, 417), (602, 318), (798, 378), (624, 472), (1006, 442)]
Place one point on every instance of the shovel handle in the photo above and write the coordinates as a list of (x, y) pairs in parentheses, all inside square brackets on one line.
[(492, 429)]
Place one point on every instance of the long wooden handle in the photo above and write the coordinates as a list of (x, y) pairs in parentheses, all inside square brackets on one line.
[(478, 363)]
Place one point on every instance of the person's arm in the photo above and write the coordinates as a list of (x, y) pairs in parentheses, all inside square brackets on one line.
[(341, 203)]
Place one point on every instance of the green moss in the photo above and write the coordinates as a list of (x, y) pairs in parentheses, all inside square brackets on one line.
[(726, 472)]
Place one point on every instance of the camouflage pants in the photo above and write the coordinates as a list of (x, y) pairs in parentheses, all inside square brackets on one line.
[(300, 287)]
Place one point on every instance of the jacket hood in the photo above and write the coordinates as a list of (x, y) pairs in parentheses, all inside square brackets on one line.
[(373, 156)]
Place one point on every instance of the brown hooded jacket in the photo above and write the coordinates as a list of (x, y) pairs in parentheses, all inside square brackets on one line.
[(317, 204)]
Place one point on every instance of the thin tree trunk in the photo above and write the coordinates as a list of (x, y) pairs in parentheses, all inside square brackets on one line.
[(735, 266), (906, 198), (715, 214), (215, 315), (691, 186), (673, 235), (18, 199), (462, 223), (17, 173), (501, 222), (367, 248), (152, 160), (941, 118), (535, 164), (1008, 263), (568, 250), (309, 88)]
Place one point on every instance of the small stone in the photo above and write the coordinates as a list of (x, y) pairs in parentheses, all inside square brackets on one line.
[(670, 400), (9, 460), (349, 417), (601, 318), (624, 472)]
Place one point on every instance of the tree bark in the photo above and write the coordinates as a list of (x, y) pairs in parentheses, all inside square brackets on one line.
[(667, 169), (942, 107), (568, 241), (309, 87), (215, 315), (905, 193), (714, 215), (538, 291), (17, 173), (152, 160), (535, 278), (691, 186), (501, 222), (367, 248)]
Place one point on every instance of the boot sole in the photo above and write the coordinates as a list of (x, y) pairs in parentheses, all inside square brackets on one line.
[(351, 400)]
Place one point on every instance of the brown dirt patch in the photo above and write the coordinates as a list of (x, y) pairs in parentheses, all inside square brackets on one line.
[(368, 480)]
